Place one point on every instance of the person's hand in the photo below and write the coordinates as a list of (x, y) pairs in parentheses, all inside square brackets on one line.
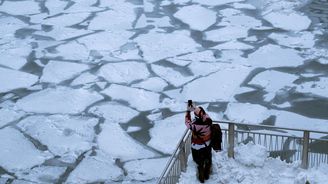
[(190, 108)]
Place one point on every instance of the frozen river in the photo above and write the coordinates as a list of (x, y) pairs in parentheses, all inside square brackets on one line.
[(95, 90)]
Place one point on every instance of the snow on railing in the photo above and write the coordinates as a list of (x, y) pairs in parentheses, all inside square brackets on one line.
[(277, 140)]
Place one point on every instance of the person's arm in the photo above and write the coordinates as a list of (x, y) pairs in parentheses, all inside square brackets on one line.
[(188, 119)]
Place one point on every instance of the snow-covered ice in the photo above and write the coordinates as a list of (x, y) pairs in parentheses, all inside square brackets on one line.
[(226, 34), (20, 7), (155, 84), (56, 71), (289, 23), (138, 98), (66, 100), (84, 78), (114, 141), (161, 139), (246, 113), (297, 40), (9, 115), (43, 174), (13, 79), (18, 153), (124, 72), (319, 87), (14, 53), (114, 112), (200, 19), (64, 136), (172, 76)]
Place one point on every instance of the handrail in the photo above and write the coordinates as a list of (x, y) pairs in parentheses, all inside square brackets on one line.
[(303, 151)]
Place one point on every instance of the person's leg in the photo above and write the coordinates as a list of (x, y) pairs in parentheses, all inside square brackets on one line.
[(207, 162), (198, 157)]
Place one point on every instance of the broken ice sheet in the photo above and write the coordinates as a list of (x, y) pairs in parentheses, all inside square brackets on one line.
[(319, 87), (62, 33), (240, 21), (114, 141), (221, 89), (63, 20), (145, 169), (9, 25), (14, 53), (226, 34), (200, 19), (215, 3), (9, 115), (42, 174), (20, 7), (233, 44), (65, 136), (294, 40), (172, 76), (96, 168), (58, 71), (140, 99), (155, 84), (124, 72), (289, 23), (184, 60), (269, 56), (167, 132), (63, 99), (12, 79), (18, 153), (114, 112), (84, 78), (167, 45)]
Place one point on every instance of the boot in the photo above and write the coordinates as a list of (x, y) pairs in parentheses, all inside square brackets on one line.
[(201, 173), (207, 170)]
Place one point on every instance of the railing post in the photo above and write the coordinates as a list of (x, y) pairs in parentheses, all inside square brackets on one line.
[(305, 151), (183, 158), (231, 140)]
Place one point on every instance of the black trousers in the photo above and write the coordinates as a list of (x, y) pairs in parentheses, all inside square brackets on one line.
[(202, 156)]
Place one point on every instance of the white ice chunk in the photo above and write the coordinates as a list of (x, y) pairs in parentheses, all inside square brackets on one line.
[(270, 56), (215, 3), (167, 45), (246, 113), (259, 154), (243, 6), (204, 68), (160, 22), (9, 115), (55, 6), (141, 22), (57, 71), (114, 19), (219, 84), (71, 51), (174, 104), (95, 169), (228, 12), (20, 7), (133, 129), (200, 19), (273, 81), (85, 78), (319, 88), (43, 174), (9, 25), (83, 6), (241, 22), (58, 100), (14, 53), (226, 34), (172, 76), (124, 72), (64, 135), (234, 57), (17, 152), (137, 98), (289, 23), (63, 20), (114, 112), (118, 144), (146, 169), (183, 60), (106, 40), (153, 84), (233, 45), (323, 61), (148, 5), (166, 133), (295, 40), (62, 33), (12, 79)]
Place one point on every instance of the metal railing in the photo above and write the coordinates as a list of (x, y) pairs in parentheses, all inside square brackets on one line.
[(279, 142)]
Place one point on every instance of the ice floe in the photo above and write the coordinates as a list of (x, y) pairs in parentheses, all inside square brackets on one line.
[(246, 113), (114, 112), (63, 20), (71, 51), (12, 79), (243, 6), (9, 115), (319, 88), (18, 153), (220, 87), (215, 3), (138, 98), (124, 72), (42, 174), (226, 34), (233, 45), (58, 100), (166, 133), (146, 169), (65, 136), (270, 56), (114, 141), (184, 60), (57, 71), (55, 6), (9, 25), (96, 168), (84, 78), (295, 40), (156, 46), (289, 23), (20, 7), (14, 53), (171, 75), (200, 19), (63, 33), (240, 21), (155, 84)]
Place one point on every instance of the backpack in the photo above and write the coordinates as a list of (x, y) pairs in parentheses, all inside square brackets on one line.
[(216, 137)]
